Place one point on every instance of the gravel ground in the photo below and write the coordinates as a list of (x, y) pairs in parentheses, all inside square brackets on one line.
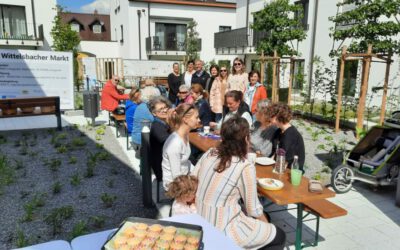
[(32, 156), (324, 148)]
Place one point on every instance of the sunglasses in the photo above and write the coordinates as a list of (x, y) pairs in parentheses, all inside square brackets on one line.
[(223, 70), (183, 92), (237, 64)]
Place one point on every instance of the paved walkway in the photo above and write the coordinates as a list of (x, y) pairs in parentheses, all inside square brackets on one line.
[(373, 220)]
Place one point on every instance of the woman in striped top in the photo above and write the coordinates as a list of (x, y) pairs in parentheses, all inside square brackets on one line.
[(226, 177)]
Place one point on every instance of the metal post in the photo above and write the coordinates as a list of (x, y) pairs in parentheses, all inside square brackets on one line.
[(398, 192), (145, 167), (299, 226)]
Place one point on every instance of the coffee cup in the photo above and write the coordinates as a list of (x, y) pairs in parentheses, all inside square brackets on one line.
[(206, 129)]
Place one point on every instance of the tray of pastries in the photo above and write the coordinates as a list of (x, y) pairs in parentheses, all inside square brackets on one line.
[(141, 233)]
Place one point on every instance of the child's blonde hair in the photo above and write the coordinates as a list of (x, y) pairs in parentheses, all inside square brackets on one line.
[(182, 185)]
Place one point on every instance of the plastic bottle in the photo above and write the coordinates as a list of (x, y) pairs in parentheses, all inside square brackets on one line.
[(295, 164)]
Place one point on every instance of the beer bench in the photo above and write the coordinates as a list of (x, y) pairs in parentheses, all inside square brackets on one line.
[(321, 209), (48, 106)]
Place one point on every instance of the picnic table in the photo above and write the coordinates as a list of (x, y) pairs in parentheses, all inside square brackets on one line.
[(51, 245), (289, 194)]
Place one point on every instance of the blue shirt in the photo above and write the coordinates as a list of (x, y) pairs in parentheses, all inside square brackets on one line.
[(130, 108), (142, 113)]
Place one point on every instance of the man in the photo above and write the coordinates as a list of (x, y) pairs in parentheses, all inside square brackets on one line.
[(112, 94), (200, 76)]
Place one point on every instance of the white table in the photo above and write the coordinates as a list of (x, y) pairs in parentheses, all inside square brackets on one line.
[(51, 245), (212, 238)]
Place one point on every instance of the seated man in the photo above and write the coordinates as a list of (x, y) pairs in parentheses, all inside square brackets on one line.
[(111, 95)]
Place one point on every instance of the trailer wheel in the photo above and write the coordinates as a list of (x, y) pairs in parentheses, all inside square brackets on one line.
[(342, 179)]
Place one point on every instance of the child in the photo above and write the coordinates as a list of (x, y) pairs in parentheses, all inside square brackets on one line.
[(183, 190)]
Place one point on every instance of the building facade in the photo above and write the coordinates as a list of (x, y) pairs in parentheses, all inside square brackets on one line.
[(156, 29), (26, 24), (242, 42)]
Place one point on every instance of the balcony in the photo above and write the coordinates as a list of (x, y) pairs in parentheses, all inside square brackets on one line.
[(169, 47), (237, 41), (24, 36)]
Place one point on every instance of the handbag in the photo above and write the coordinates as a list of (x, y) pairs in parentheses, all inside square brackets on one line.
[(315, 186)]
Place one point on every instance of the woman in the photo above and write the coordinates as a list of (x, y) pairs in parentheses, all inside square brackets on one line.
[(176, 150), (235, 106), (255, 91), (217, 93), (174, 81), (199, 97), (142, 114), (184, 95), (159, 132), (238, 79), (130, 107), (289, 138), (226, 178), (214, 71), (187, 76), (263, 134)]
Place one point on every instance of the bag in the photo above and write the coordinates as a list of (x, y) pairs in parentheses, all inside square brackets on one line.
[(315, 186), (120, 110)]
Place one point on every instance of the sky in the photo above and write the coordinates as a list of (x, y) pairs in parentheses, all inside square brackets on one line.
[(86, 6)]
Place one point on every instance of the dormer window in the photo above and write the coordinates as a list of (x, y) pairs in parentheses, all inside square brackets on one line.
[(75, 27), (97, 28)]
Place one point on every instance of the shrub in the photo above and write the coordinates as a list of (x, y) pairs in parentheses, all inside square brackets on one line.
[(78, 142), (62, 149), (54, 164), (79, 229), (98, 221), (108, 200), (56, 187), (57, 216), (103, 155), (72, 160), (20, 239), (75, 180)]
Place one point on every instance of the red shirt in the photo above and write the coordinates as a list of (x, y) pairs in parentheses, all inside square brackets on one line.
[(110, 97)]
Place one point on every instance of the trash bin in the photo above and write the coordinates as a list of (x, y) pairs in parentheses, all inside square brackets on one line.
[(91, 105)]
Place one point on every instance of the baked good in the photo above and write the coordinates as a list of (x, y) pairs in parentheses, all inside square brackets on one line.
[(147, 243), (176, 246), (155, 228), (180, 238), (140, 234), (161, 246), (129, 232), (134, 242), (190, 247), (153, 236), (141, 226), (194, 241), (170, 230), (166, 237), (120, 241)]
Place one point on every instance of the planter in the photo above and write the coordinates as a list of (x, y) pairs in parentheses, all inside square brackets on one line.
[(48, 109), (10, 111), (27, 110)]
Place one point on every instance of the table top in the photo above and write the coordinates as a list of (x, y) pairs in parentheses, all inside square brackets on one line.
[(51, 245), (289, 194), (212, 238), (201, 142), (119, 117)]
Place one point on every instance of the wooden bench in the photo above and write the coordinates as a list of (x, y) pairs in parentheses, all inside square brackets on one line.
[(117, 120), (322, 209), (31, 107)]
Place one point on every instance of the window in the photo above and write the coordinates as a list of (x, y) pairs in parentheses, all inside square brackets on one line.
[(122, 34), (350, 77), (224, 28), (75, 27), (13, 22), (170, 36), (304, 19), (97, 28)]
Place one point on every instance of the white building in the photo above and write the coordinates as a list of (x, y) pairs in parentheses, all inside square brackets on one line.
[(156, 29), (242, 42), (26, 24)]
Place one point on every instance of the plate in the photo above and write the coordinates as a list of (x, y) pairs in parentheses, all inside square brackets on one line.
[(265, 161), (270, 184)]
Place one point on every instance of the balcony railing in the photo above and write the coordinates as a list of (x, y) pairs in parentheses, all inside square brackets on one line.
[(243, 37), (154, 43), (24, 36)]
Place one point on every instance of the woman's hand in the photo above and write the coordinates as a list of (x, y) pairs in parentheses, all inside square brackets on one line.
[(213, 124)]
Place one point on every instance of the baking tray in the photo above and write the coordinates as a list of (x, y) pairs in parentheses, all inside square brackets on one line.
[(181, 227)]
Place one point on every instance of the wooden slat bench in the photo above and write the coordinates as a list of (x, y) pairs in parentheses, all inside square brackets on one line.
[(48, 106), (322, 209)]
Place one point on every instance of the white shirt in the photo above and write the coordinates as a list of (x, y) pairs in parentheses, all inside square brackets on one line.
[(188, 79), (175, 160), (245, 115)]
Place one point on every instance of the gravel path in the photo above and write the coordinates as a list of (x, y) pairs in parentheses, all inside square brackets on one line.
[(41, 158)]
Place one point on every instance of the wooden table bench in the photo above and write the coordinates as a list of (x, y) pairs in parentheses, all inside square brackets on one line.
[(29, 106), (118, 119)]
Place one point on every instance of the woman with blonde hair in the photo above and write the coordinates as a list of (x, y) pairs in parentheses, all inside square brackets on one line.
[(239, 78), (217, 93), (176, 150), (200, 101)]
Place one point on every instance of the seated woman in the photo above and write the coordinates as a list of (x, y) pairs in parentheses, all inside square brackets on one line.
[(184, 95), (130, 107), (199, 97), (142, 114), (176, 150), (226, 178), (159, 132), (235, 106), (263, 134), (289, 138)]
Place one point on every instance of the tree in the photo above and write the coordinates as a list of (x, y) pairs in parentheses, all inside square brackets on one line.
[(373, 22), (65, 39), (192, 41), (281, 22)]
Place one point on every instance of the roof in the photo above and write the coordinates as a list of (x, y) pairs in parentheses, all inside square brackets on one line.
[(86, 21), (204, 3)]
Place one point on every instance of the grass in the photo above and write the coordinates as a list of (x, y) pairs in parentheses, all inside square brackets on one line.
[(56, 187), (72, 160), (54, 164), (75, 180), (57, 216), (108, 200), (20, 239), (78, 142), (38, 201), (62, 149), (3, 139), (97, 221), (79, 229), (7, 173)]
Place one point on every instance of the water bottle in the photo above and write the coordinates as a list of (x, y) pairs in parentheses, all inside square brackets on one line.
[(280, 164), (295, 164)]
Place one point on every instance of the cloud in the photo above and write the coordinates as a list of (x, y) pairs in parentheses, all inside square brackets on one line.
[(102, 6)]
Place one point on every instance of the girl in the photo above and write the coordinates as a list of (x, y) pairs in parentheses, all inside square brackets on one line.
[(183, 190)]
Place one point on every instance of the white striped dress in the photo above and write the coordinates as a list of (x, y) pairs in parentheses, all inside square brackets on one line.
[(217, 200)]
